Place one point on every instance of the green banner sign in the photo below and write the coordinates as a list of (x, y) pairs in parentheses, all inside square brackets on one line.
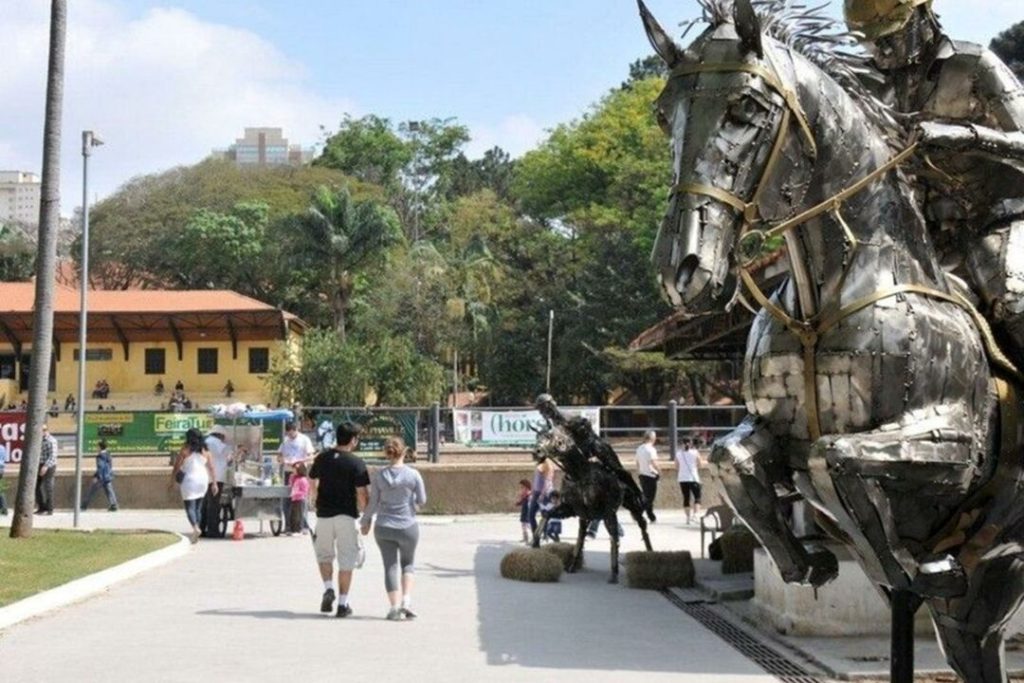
[(155, 432), (142, 432), (377, 428)]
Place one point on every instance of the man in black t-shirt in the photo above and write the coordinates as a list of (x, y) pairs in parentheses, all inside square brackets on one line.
[(342, 484)]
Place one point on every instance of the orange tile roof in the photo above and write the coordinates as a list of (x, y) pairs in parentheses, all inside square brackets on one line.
[(18, 297)]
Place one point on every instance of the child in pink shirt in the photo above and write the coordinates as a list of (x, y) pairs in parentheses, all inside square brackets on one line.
[(300, 500)]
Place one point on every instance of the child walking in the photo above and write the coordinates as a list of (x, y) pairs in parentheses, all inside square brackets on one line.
[(102, 479), (553, 528), (523, 501), (300, 501)]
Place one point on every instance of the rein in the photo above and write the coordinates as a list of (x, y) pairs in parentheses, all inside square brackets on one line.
[(809, 331)]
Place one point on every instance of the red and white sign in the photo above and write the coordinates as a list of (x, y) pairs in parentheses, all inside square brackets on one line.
[(12, 434)]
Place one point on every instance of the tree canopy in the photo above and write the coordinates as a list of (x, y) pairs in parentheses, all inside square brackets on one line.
[(405, 254)]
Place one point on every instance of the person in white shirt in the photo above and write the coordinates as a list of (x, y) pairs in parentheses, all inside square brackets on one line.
[(295, 448), (647, 468), (220, 454), (688, 460)]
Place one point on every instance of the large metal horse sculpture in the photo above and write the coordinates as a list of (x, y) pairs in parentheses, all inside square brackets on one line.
[(870, 381), (591, 488)]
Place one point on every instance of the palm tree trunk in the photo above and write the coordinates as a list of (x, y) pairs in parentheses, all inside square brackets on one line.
[(42, 323)]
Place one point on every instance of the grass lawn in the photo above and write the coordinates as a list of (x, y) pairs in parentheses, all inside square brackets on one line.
[(52, 557)]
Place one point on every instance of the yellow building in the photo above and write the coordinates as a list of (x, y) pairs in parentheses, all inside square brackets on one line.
[(139, 338)]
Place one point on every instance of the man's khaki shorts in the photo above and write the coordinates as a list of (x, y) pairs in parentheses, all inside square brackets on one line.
[(337, 537)]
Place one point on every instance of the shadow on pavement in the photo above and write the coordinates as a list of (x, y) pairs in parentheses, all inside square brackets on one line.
[(262, 614), (583, 622)]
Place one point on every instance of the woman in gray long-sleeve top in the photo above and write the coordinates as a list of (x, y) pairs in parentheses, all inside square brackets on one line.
[(396, 492)]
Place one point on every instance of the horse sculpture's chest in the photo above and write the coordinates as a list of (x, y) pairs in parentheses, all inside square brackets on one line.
[(874, 367)]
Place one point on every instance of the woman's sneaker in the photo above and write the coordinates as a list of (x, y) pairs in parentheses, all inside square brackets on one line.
[(395, 614), (408, 613)]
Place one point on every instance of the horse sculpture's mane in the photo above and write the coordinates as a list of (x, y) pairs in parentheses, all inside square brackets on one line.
[(825, 42)]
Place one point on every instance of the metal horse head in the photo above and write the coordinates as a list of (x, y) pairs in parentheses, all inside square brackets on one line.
[(727, 108)]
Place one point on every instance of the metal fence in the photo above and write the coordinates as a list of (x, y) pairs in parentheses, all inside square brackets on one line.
[(672, 422)]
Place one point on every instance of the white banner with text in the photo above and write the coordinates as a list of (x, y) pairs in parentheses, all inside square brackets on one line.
[(496, 427)]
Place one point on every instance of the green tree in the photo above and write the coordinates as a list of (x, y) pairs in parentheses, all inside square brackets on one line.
[(610, 168), (599, 184), (131, 229), (333, 240), (325, 372), (17, 255), (651, 66), (330, 372), (221, 250), (493, 171), (1009, 45), (653, 378), (367, 148), (414, 162), (401, 376)]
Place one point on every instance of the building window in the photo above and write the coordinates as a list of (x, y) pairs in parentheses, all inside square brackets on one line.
[(156, 361), (207, 361), (259, 361), (96, 354)]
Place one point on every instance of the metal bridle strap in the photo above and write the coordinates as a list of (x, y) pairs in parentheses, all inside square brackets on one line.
[(810, 331), (840, 197), (770, 78), (749, 210)]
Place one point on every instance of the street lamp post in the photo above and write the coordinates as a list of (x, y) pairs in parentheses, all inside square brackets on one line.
[(89, 140), (551, 330)]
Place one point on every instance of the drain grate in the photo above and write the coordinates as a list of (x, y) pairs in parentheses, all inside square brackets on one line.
[(761, 654)]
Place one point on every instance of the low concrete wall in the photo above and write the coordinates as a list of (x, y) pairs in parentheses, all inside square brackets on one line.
[(848, 606), (451, 489)]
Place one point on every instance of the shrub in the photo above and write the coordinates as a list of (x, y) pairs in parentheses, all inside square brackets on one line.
[(738, 550), (657, 570), (563, 551), (531, 564)]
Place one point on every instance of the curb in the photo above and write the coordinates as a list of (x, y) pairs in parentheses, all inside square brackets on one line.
[(87, 586)]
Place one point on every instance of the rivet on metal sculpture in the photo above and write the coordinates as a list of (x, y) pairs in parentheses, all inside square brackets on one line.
[(873, 377), (595, 484)]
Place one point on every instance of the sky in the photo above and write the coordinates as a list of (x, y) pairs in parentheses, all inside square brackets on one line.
[(163, 82)]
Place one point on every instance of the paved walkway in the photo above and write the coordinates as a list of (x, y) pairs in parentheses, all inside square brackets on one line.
[(248, 611)]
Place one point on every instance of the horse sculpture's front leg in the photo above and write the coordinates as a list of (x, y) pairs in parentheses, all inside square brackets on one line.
[(612, 523), (864, 479), (577, 554), (744, 463)]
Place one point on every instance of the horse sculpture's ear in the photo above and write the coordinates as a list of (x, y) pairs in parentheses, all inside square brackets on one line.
[(660, 41), (748, 27)]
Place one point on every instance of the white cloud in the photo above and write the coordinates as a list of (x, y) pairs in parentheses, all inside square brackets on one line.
[(516, 134), (162, 89)]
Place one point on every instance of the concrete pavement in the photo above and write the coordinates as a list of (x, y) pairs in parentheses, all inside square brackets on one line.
[(248, 611)]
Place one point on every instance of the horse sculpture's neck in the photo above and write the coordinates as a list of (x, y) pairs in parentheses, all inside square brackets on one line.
[(883, 241)]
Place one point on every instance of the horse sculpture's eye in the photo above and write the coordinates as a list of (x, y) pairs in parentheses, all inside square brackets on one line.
[(745, 110)]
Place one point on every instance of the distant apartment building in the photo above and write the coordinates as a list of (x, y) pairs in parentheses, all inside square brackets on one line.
[(265, 147), (19, 197)]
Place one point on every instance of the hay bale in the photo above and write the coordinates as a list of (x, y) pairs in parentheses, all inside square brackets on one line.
[(531, 564), (563, 551), (738, 550), (657, 570)]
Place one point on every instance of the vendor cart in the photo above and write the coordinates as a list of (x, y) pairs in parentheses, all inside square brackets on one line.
[(253, 501), (251, 491)]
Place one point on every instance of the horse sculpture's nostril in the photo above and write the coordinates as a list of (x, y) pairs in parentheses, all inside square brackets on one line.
[(686, 270)]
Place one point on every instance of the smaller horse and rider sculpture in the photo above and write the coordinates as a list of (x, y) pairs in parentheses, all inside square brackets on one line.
[(594, 486), (881, 378)]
